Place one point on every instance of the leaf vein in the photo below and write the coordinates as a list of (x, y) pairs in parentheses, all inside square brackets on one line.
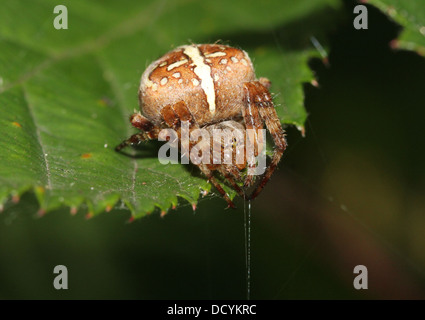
[(39, 140), (113, 83)]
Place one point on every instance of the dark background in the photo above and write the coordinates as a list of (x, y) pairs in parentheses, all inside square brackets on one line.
[(350, 193)]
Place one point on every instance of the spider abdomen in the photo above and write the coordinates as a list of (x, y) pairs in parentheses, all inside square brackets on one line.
[(208, 77)]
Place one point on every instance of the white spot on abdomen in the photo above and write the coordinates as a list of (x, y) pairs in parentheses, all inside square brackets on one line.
[(203, 71), (163, 81)]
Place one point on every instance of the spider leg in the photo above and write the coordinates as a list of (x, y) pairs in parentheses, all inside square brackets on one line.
[(148, 131), (253, 123), (207, 172), (235, 139), (171, 118), (134, 139), (173, 115), (184, 114), (233, 171), (227, 172), (258, 97)]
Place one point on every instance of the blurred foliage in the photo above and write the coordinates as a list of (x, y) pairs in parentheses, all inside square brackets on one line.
[(411, 15)]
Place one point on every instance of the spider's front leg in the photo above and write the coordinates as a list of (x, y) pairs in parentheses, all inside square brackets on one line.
[(253, 124), (259, 107), (148, 131)]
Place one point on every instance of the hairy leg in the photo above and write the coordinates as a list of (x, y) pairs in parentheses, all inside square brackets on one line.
[(258, 99), (208, 173), (148, 131), (253, 123), (231, 175), (173, 116)]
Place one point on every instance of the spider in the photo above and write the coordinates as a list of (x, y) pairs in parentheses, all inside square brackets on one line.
[(209, 86)]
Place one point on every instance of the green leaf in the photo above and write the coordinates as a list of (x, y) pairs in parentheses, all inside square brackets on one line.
[(411, 15), (65, 95)]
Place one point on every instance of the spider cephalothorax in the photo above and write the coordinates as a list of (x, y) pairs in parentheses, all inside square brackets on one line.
[(209, 86)]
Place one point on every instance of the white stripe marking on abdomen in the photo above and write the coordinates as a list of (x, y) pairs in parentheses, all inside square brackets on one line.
[(203, 71)]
